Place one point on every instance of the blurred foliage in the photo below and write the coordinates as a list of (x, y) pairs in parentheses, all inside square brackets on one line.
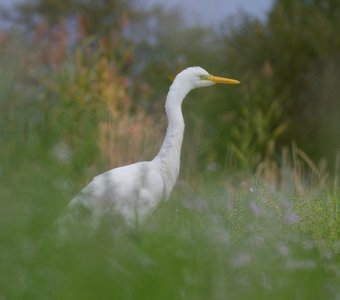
[(295, 55), (288, 65), (96, 17), (309, 45)]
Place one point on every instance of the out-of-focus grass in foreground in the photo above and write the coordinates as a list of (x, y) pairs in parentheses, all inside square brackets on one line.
[(218, 242)]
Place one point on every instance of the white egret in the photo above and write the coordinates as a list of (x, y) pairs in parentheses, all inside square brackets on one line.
[(134, 191)]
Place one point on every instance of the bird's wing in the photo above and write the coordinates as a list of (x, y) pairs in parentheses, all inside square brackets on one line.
[(131, 191)]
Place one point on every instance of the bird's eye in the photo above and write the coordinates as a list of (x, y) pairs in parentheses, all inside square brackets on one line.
[(203, 77)]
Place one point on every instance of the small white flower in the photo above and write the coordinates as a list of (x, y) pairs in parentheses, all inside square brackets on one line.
[(283, 249), (293, 265), (62, 152), (255, 209), (241, 260), (291, 218)]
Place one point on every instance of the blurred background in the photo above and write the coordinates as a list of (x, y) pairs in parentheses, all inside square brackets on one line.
[(82, 90), (63, 62)]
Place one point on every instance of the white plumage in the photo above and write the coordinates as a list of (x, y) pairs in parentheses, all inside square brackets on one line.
[(134, 191)]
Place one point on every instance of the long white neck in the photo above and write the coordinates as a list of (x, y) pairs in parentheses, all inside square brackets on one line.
[(168, 157)]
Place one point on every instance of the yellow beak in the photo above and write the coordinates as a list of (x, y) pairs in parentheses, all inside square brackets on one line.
[(223, 80)]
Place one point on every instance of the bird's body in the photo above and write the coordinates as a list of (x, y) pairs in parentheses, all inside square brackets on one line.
[(135, 190), (107, 193)]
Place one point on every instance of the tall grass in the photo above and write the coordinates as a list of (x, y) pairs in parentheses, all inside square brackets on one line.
[(272, 235)]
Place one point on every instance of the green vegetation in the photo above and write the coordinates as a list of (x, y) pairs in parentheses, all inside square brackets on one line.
[(253, 215)]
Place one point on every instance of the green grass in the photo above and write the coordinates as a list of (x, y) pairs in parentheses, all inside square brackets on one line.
[(209, 241)]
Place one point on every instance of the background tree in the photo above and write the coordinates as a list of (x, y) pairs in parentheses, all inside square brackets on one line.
[(293, 58)]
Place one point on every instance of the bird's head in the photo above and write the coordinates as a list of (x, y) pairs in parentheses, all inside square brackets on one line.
[(195, 77)]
